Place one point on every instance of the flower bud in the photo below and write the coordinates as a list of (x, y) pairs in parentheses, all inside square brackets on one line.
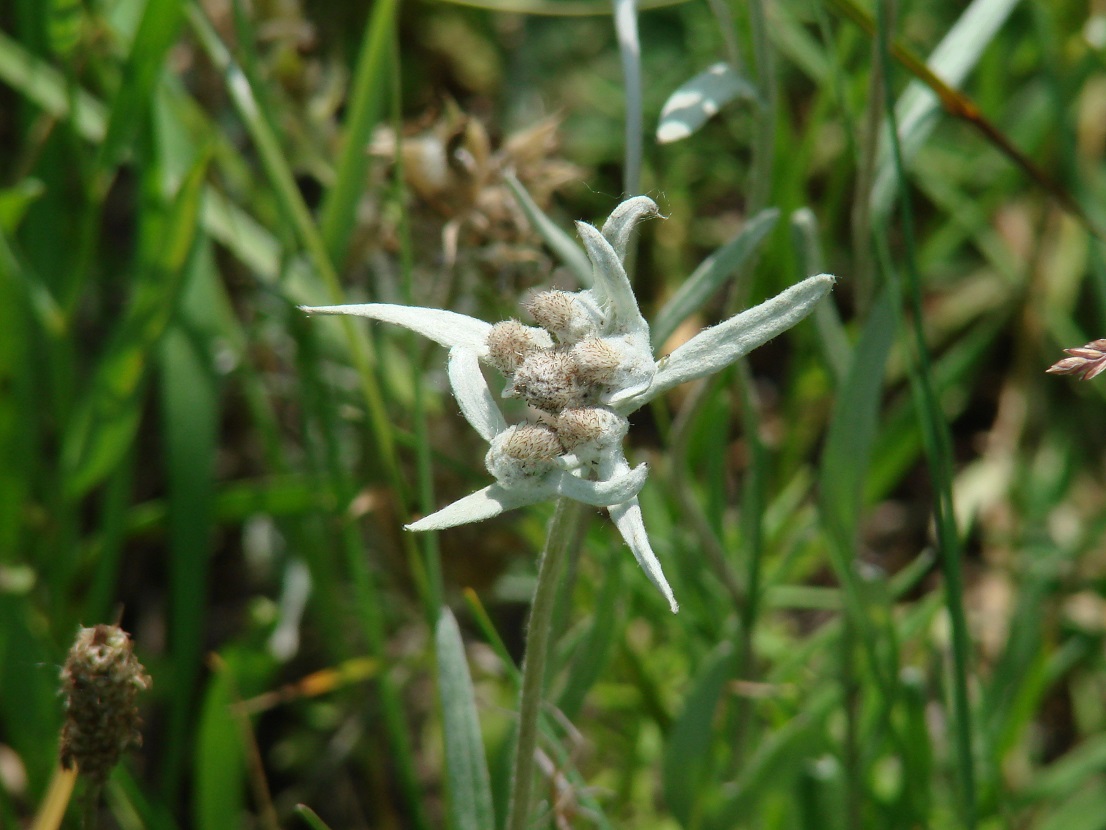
[(562, 315), (596, 359), (510, 341), (591, 428), (100, 681), (523, 451), (549, 380)]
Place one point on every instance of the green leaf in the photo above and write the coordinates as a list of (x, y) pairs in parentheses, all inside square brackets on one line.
[(15, 200), (590, 658), (467, 780), (696, 101), (687, 772), (711, 273), (106, 419), (918, 108), (219, 770), (156, 33), (189, 396), (854, 425), (310, 817), (371, 82)]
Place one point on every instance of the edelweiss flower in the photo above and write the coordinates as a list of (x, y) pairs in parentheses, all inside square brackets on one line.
[(585, 367)]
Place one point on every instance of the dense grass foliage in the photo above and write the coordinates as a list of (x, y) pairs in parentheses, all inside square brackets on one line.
[(886, 529)]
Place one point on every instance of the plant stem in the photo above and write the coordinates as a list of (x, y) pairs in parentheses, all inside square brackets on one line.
[(90, 807), (557, 543)]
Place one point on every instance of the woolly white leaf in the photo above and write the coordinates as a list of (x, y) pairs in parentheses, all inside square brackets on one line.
[(446, 327), (627, 518), (689, 107), (611, 282), (472, 393), (483, 504), (622, 221), (717, 347), (603, 493)]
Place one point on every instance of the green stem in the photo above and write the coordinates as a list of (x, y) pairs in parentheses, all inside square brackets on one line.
[(90, 807), (558, 541)]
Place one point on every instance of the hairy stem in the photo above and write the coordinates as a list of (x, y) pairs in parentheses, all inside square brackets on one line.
[(558, 541)]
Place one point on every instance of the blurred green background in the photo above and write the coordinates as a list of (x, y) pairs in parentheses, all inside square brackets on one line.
[(886, 531)]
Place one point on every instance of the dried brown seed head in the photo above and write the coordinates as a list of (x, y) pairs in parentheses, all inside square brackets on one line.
[(101, 680)]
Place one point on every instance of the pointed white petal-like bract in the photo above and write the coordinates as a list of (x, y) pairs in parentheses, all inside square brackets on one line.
[(611, 282), (483, 504), (717, 347), (446, 327), (627, 518), (619, 227), (473, 395), (603, 493)]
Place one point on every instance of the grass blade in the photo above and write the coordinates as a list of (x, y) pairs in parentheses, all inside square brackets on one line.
[(686, 771), (107, 417), (370, 82), (562, 245), (467, 779), (955, 56), (161, 21)]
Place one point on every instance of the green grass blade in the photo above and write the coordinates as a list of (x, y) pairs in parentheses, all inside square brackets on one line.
[(854, 426), (41, 83), (591, 658), (106, 419), (310, 817), (779, 757), (939, 455), (919, 107), (219, 770), (467, 780), (299, 217), (157, 31), (370, 82), (190, 416), (686, 772), (563, 246), (831, 331)]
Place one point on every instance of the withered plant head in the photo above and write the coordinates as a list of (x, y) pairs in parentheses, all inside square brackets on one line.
[(101, 680), (1085, 363), (457, 173)]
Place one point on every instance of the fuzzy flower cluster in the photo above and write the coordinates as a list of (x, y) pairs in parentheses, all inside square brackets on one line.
[(585, 367), (101, 680)]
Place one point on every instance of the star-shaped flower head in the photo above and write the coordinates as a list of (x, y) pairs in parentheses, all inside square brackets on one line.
[(585, 367)]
